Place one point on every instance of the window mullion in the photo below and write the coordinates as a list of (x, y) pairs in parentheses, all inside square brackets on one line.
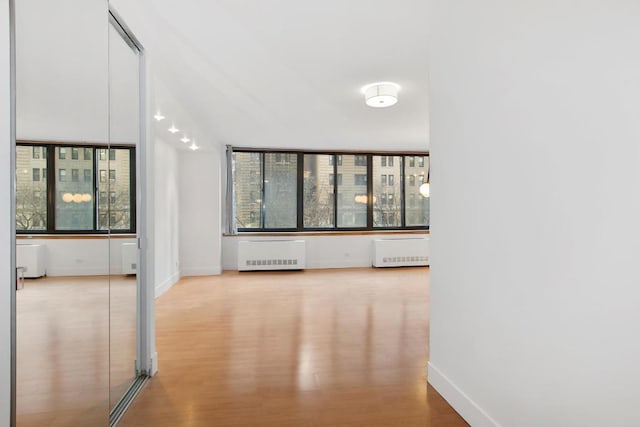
[(369, 191), (335, 191), (403, 193), (300, 191), (262, 191), (51, 188)]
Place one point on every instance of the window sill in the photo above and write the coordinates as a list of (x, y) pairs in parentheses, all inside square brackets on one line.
[(74, 236), (324, 233)]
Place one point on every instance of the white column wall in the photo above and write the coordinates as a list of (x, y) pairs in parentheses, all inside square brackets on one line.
[(200, 213), (6, 239), (535, 149), (167, 217)]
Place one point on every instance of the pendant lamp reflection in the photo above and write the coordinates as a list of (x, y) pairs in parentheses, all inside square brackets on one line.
[(425, 191)]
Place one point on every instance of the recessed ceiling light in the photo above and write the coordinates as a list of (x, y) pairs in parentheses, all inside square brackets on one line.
[(185, 139), (158, 116), (173, 129), (193, 146), (381, 94)]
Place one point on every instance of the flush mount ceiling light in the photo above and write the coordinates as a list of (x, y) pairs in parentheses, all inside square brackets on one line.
[(193, 146), (381, 94), (185, 139), (173, 129), (158, 116)]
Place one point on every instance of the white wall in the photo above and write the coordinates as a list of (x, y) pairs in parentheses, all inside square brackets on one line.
[(338, 251), (200, 213), (6, 239), (535, 317), (81, 257), (167, 218), (61, 79)]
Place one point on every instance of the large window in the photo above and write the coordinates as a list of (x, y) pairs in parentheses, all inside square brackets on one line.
[(327, 191), (387, 192), (417, 210), (71, 200), (352, 193)]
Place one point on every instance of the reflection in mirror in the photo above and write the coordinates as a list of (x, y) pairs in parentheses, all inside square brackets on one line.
[(117, 189), (62, 320)]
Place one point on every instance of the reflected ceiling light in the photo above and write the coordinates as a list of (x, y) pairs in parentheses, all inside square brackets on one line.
[(424, 190), (159, 116), (76, 198), (381, 94), (193, 146), (185, 139), (173, 129)]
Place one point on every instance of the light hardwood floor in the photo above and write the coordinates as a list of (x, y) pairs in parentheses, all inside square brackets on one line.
[(75, 349), (313, 348)]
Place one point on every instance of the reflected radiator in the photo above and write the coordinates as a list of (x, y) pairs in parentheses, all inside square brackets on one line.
[(129, 258), (271, 255), (400, 252), (32, 260)]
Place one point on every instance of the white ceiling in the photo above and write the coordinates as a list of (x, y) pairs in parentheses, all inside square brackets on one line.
[(284, 73)]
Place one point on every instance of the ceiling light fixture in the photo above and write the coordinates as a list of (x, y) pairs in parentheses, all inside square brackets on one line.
[(173, 129), (158, 116), (381, 94), (193, 146), (185, 139)]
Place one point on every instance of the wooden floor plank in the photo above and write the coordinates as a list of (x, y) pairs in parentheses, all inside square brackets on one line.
[(343, 347)]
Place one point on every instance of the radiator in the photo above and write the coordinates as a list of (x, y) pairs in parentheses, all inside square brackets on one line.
[(129, 258), (271, 255), (400, 252), (32, 260)]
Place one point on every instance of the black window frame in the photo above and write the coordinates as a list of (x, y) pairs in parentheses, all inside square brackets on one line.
[(48, 150), (335, 161)]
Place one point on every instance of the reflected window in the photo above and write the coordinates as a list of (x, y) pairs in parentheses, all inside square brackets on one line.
[(319, 184)]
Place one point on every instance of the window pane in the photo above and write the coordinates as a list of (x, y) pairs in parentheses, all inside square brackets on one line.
[(387, 200), (318, 190), (74, 153), (117, 207), (280, 190), (417, 210), (87, 153), (74, 199), (248, 189), (31, 194), (352, 193)]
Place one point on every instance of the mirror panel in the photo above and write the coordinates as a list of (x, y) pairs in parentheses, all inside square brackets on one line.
[(120, 164), (62, 112)]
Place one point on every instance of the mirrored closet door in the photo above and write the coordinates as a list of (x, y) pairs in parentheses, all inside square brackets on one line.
[(77, 191)]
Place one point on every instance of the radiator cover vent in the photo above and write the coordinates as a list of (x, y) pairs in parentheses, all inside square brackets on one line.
[(271, 255), (401, 252)]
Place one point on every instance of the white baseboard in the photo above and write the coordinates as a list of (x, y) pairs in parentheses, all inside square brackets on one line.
[(467, 408), (208, 271), (163, 287), (87, 271)]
